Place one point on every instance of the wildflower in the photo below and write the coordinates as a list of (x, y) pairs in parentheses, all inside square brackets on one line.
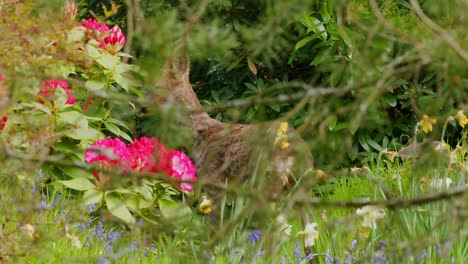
[(183, 169), (205, 205), (91, 207), (70, 10), (103, 261), (282, 136), (461, 118), (115, 40), (283, 224), (133, 246), (370, 214), (29, 230), (309, 234), (254, 236), (321, 175), (298, 252), (75, 241), (426, 123), (3, 123), (48, 88), (442, 183)]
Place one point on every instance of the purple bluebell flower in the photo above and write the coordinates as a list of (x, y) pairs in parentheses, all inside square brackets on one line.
[(421, 256), (254, 236), (437, 248), (81, 226), (260, 254), (353, 245), (103, 261), (283, 260), (309, 257), (379, 257), (91, 207), (43, 203), (113, 236), (108, 249), (57, 200), (134, 246), (86, 243), (298, 252), (99, 231), (140, 221), (145, 252), (328, 258)]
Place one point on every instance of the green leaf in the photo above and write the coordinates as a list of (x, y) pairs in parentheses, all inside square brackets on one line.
[(390, 99), (85, 134), (75, 172), (108, 61), (363, 142), (80, 184), (172, 209), (93, 196), (332, 124), (74, 118), (93, 85), (118, 209)]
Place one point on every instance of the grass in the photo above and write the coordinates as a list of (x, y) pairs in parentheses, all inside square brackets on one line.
[(429, 233)]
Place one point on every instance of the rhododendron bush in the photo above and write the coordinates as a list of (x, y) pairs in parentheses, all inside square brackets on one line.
[(63, 101)]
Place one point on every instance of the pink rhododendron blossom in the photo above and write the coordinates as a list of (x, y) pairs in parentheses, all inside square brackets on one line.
[(141, 151), (2, 77), (110, 40), (143, 155), (183, 169), (115, 40), (48, 88), (94, 25), (3, 123), (108, 153)]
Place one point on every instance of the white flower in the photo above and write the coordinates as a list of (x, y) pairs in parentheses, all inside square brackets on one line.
[(371, 213), (29, 230), (439, 184), (283, 224), (75, 241), (310, 234)]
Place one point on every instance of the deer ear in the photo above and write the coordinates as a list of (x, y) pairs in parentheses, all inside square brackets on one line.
[(180, 65)]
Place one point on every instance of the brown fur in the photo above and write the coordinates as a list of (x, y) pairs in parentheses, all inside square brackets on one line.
[(225, 153)]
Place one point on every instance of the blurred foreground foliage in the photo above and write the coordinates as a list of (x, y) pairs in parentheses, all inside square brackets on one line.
[(396, 75)]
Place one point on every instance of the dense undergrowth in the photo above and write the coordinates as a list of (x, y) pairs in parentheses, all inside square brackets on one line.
[(95, 169)]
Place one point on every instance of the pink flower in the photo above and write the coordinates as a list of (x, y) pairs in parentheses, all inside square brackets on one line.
[(108, 153), (94, 25), (143, 155), (3, 123), (48, 88), (115, 40), (70, 10), (183, 169), (2, 77), (110, 40)]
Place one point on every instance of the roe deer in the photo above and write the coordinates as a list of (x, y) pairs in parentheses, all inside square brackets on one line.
[(228, 152)]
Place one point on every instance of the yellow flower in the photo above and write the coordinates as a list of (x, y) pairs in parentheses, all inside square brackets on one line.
[(205, 205), (283, 128), (321, 175), (427, 122), (461, 118), (284, 144)]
